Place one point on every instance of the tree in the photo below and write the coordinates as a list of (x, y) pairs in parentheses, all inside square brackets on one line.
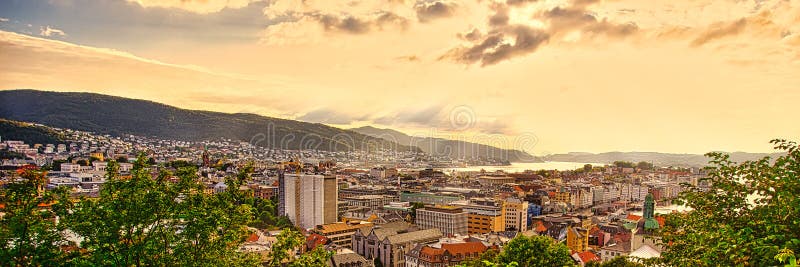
[(618, 261), (413, 209), (644, 165), (749, 213), (145, 220), (29, 235), (624, 164), (587, 167), (534, 251)]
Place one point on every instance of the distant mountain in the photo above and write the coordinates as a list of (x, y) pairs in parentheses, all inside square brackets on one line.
[(117, 116), (29, 133), (659, 159), (446, 147)]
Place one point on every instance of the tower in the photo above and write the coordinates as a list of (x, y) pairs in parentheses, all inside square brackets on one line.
[(650, 221)]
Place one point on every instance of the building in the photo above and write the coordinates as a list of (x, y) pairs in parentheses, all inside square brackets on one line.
[(577, 239), (430, 198), (444, 255), (309, 200), (373, 202), (492, 180), (484, 216), (451, 220), (390, 243), (341, 233), (515, 212)]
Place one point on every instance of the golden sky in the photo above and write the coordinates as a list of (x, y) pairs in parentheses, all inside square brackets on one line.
[(686, 76)]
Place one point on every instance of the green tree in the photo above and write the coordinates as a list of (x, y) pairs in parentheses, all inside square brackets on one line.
[(618, 261), (29, 235), (534, 251), (146, 220), (624, 164), (644, 165), (587, 167), (750, 212)]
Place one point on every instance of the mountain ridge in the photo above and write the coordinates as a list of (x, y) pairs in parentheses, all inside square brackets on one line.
[(115, 115), (447, 147)]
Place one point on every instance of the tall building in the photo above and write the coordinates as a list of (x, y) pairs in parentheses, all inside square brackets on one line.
[(516, 214), (308, 200), (451, 220), (484, 216)]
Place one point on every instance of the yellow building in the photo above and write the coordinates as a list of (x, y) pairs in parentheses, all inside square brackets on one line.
[(98, 155), (562, 196), (483, 224), (577, 239)]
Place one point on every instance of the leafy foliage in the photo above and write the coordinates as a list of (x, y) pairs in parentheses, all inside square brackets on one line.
[(534, 251), (29, 235), (750, 212), (619, 261), (144, 221)]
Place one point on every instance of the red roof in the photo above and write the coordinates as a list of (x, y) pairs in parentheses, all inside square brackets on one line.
[(588, 256), (252, 238), (660, 220), (313, 240), (634, 217), (464, 248)]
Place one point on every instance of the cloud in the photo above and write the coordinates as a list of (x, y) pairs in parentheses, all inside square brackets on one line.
[(48, 31), (431, 10), (359, 24), (330, 116), (505, 40), (196, 6), (720, 30), (3, 20)]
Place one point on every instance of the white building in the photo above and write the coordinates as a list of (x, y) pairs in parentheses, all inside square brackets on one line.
[(310, 200)]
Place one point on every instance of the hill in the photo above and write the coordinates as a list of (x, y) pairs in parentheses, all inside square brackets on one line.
[(446, 147), (29, 133), (659, 159), (117, 116)]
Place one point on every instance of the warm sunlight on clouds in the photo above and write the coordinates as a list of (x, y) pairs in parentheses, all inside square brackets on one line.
[(580, 75), (198, 6)]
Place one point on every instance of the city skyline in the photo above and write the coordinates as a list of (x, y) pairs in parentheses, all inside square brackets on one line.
[(593, 76)]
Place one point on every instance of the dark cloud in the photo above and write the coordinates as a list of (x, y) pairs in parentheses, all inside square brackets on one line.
[(720, 30), (495, 47), (431, 10), (505, 41), (471, 36), (500, 16), (358, 25), (519, 2)]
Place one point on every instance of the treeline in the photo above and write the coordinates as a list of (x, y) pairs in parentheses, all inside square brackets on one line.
[(139, 220)]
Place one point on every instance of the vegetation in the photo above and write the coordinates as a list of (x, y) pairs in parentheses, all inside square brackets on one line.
[(616, 262), (535, 251), (139, 220), (29, 133), (750, 215), (117, 116), (28, 234)]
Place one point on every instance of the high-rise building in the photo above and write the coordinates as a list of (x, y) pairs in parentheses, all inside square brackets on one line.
[(308, 200), (451, 220), (516, 214)]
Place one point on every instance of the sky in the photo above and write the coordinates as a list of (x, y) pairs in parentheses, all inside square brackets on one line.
[(544, 76)]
